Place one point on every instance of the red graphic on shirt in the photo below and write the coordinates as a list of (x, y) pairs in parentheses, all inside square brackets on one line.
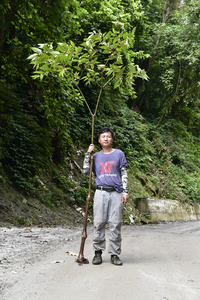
[(107, 167)]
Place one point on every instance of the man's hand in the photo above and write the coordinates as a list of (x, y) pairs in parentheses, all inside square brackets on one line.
[(124, 198), (91, 148)]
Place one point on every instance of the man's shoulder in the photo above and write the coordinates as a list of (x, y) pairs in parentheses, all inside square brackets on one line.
[(115, 152), (119, 151)]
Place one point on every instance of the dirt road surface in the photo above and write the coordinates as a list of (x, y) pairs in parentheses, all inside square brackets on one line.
[(160, 262)]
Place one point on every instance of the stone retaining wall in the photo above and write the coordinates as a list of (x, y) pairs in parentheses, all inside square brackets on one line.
[(168, 210)]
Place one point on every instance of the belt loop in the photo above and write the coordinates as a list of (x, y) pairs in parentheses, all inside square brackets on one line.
[(101, 188)]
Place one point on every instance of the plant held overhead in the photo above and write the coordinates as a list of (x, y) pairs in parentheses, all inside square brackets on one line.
[(104, 59)]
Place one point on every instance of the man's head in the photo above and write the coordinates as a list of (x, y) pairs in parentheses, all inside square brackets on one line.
[(106, 137), (106, 129)]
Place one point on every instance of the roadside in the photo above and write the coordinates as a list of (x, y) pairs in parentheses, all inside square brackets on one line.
[(21, 248), (161, 261)]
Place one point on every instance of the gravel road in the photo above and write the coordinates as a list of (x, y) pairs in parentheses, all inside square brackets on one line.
[(160, 262)]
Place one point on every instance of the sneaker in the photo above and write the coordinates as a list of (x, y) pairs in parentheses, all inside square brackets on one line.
[(115, 260), (97, 260)]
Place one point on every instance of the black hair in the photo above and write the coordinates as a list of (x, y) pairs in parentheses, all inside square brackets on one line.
[(106, 129)]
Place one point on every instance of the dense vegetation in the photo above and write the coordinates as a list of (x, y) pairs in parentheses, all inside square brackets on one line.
[(45, 125)]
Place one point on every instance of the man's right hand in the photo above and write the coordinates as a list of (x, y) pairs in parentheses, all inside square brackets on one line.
[(91, 148)]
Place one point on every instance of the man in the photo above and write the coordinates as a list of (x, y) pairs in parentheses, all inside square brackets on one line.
[(110, 167)]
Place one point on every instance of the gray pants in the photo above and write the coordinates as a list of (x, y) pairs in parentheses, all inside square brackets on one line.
[(107, 206)]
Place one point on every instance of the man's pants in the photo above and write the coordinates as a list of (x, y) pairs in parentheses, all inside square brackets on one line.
[(107, 206)]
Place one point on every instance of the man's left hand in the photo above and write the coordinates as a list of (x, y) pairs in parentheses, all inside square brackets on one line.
[(124, 199)]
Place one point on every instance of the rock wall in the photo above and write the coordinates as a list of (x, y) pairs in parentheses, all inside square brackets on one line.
[(168, 210)]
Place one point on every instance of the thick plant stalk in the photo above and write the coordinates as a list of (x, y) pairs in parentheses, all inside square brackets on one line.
[(81, 259)]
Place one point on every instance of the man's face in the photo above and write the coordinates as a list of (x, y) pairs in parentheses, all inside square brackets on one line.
[(106, 139)]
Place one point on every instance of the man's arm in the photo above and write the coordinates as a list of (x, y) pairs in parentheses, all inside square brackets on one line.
[(124, 176), (86, 162)]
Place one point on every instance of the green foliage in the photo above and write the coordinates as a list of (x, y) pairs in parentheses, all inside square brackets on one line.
[(57, 197), (90, 50), (25, 151), (148, 217), (24, 148), (173, 65), (178, 154), (20, 221), (104, 59), (137, 220), (62, 181)]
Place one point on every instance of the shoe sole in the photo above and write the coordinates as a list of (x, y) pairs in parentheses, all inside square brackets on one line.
[(97, 263), (112, 262)]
